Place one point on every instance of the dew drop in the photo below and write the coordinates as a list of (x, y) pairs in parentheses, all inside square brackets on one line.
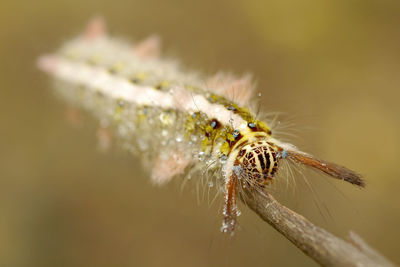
[(142, 145), (224, 228), (223, 159), (238, 170)]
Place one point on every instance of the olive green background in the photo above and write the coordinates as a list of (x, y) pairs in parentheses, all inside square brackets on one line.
[(330, 67)]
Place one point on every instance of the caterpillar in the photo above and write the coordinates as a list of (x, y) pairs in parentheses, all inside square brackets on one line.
[(177, 122)]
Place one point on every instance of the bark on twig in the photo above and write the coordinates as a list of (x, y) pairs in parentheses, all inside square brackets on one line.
[(322, 246)]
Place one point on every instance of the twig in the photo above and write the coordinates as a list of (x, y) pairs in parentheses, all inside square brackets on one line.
[(322, 246)]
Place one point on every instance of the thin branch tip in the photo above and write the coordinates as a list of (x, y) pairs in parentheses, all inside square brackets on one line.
[(320, 245)]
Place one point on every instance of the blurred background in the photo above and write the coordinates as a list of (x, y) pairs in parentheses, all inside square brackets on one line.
[(331, 68)]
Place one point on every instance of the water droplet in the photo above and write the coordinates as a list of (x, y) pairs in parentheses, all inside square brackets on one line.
[(142, 145), (238, 170), (236, 133), (213, 124), (252, 125), (224, 228), (223, 159), (164, 132)]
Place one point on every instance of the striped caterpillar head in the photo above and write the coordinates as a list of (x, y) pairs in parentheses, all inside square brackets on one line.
[(257, 162)]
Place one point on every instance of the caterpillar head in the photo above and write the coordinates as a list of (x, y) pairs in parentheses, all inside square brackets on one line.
[(257, 162)]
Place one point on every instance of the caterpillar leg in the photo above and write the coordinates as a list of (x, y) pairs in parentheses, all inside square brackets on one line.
[(104, 138), (167, 165), (73, 116), (230, 208)]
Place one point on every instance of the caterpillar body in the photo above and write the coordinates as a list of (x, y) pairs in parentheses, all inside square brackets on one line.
[(191, 121)]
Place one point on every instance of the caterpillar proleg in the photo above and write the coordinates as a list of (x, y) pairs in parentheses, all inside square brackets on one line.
[(178, 122)]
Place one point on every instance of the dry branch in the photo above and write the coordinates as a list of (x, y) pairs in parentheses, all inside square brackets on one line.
[(322, 246)]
